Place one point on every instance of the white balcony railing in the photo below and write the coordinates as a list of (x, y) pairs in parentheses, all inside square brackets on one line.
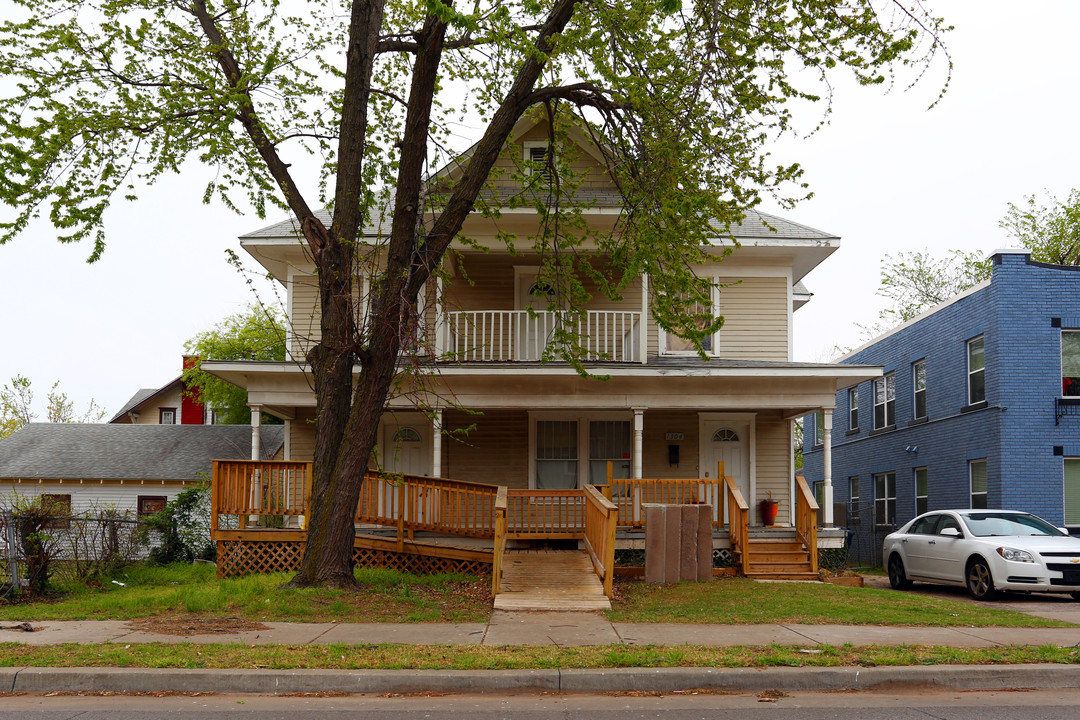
[(518, 335)]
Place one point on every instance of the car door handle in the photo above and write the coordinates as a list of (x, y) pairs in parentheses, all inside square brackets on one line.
[(933, 542), (904, 541)]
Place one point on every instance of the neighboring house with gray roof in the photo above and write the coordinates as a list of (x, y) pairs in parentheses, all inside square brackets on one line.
[(170, 404), (136, 467)]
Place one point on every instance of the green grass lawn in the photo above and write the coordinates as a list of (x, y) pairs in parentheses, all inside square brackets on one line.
[(182, 590), (733, 600), (149, 590)]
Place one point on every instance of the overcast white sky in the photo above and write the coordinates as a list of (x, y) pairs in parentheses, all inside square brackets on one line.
[(888, 175)]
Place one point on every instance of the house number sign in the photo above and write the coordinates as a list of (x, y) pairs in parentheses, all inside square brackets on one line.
[(673, 436)]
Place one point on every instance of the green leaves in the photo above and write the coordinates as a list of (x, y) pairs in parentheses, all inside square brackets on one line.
[(1051, 232)]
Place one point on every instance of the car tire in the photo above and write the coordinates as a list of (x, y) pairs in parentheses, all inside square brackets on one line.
[(979, 581), (897, 577)]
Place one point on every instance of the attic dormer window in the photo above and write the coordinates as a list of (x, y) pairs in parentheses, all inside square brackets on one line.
[(536, 155)]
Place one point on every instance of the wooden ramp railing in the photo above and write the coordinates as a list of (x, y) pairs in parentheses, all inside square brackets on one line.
[(738, 513), (259, 493), (806, 508), (629, 494)]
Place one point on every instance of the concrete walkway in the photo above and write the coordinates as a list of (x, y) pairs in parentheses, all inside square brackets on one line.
[(551, 628)]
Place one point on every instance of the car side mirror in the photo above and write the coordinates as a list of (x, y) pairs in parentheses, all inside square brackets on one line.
[(950, 532)]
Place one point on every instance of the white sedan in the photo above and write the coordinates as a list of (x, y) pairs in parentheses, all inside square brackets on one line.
[(984, 550)]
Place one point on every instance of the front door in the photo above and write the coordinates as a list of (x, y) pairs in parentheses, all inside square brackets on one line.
[(728, 440), (407, 448), (533, 333)]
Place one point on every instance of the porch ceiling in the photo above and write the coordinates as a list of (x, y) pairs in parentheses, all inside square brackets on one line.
[(792, 388)]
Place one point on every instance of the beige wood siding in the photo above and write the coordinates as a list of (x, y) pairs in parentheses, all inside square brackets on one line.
[(302, 435), (585, 166), (773, 464), (304, 314), (755, 314), (654, 451), (495, 452)]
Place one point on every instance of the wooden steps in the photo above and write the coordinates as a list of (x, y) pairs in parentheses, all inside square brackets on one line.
[(779, 559), (543, 579)]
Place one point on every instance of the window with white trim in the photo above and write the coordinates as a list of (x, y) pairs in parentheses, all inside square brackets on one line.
[(885, 498), (166, 416), (672, 344), (976, 368), (884, 402), (853, 500), (609, 441), (922, 496), (536, 158), (1072, 491), (1070, 362), (819, 428), (918, 382), (556, 454), (853, 408), (977, 475)]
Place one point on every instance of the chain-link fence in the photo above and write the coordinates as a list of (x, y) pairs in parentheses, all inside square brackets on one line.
[(36, 554)]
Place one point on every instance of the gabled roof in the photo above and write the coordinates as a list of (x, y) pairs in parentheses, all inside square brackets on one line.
[(127, 452), (142, 396)]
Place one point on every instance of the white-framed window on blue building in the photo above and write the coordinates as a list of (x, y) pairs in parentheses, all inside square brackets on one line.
[(1072, 491), (884, 402), (1070, 362), (853, 408), (853, 500), (976, 370), (977, 475), (918, 382), (922, 494), (819, 428), (885, 498)]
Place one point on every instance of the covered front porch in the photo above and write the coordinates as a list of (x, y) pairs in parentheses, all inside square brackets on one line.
[(259, 520)]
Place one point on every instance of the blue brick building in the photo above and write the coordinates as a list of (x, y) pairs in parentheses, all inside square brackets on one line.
[(978, 406)]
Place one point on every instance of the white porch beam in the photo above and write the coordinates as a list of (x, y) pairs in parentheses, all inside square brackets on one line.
[(639, 433), (436, 443), (827, 495)]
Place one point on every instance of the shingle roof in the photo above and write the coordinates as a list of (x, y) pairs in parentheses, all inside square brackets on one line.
[(139, 398), (127, 452), (756, 225)]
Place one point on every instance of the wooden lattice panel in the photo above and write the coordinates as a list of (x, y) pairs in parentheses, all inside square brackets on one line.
[(243, 557), (238, 557)]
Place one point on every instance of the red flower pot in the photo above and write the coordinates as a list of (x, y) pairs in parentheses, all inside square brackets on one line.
[(769, 509)]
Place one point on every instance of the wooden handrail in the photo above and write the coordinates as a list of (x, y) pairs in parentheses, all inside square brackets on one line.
[(415, 502), (601, 519), (738, 522), (249, 489), (499, 509), (534, 514), (806, 509), (629, 494)]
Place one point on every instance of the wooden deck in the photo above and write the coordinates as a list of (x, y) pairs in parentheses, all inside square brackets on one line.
[(544, 579)]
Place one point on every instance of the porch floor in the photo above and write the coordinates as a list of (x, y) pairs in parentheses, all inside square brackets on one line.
[(545, 579)]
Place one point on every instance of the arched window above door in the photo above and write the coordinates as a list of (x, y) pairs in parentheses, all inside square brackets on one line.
[(725, 435), (406, 434)]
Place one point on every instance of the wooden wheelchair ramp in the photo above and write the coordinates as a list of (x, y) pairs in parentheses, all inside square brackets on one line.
[(542, 579)]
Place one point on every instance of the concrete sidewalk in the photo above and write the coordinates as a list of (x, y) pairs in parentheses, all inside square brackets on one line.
[(550, 628), (538, 628)]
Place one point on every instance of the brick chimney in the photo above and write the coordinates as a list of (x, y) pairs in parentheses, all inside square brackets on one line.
[(192, 409)]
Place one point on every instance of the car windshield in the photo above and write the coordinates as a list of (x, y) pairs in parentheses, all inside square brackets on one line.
[(989, 524)]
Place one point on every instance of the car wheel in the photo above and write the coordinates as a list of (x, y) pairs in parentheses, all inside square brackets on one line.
[(980, 583), (897, 577)]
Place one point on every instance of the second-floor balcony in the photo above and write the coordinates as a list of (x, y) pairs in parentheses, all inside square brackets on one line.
[(524, 335)]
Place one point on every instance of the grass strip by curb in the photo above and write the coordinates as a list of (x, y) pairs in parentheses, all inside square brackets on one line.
[(470, 657)]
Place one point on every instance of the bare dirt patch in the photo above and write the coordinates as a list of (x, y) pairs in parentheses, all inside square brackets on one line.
[(185, 625)]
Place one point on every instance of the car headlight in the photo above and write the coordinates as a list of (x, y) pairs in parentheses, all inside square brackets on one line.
[(1015, 555)]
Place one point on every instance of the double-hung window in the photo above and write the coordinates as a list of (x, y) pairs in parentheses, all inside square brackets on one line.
[(166, 416), (977, 474), (819, 428), (918, 381), (976, 353), (922, 494), (884, 402), (701, 314), (1070, 362), (1072, 491), (853, 500), (853, 408), (885, 498)]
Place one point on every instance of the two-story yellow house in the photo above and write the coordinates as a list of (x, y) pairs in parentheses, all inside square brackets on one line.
[(662, 412)]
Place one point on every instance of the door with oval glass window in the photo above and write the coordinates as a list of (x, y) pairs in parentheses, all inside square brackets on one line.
[(728, 441)]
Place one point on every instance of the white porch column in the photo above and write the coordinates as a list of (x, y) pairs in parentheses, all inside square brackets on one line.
[(639, 431), (436, 443), (827, 460), (256, 436)]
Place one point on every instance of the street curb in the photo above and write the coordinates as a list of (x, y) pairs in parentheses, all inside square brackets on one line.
[(131, 680)]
